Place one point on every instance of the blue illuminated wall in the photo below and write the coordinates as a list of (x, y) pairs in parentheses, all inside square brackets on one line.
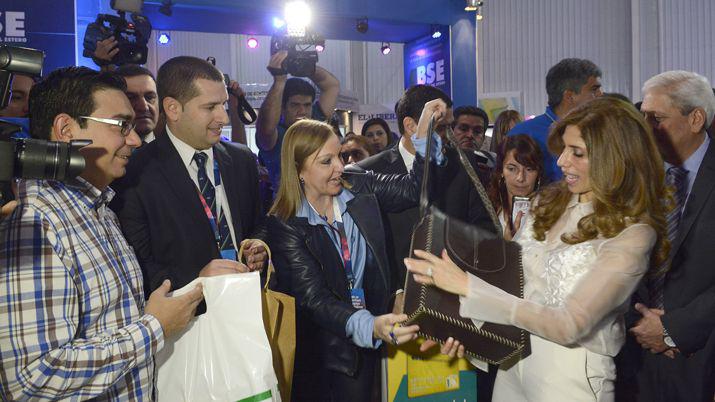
[(394, 21), (28, 24)]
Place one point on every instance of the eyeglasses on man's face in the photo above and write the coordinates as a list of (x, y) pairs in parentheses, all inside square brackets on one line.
[(125, 126)]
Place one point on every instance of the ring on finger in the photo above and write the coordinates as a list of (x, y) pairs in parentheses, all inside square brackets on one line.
[(429, 272)]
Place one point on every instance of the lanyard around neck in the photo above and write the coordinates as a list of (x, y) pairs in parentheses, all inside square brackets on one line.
[(207, 208), (343, 241)]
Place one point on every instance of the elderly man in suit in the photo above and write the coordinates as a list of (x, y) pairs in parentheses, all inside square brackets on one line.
[(676, 320), (189, 199)]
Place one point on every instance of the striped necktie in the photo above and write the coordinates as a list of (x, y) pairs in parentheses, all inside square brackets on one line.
[(677, 178), (209, 193)]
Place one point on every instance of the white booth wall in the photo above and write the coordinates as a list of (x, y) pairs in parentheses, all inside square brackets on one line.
[(631, 40)]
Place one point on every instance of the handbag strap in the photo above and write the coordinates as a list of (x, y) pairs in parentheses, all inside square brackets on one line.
[(424, 199), (270, 269)]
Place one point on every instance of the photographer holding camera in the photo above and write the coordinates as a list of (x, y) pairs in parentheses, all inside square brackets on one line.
[(76, 324), (289, 100)]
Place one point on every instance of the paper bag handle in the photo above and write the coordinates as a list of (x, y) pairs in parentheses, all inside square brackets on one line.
[(270, 268)]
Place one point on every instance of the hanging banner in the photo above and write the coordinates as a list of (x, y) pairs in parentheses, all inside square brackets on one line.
[(427, 61), (367, 112), (47, 26)]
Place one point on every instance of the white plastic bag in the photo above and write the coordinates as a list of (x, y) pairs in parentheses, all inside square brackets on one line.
[(224, 354)]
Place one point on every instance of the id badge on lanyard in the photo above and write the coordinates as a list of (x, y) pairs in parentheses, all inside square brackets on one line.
[(229, 254), (357, 295)]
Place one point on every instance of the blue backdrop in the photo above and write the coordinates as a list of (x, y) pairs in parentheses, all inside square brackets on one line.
[(48, 26), (427, 62)]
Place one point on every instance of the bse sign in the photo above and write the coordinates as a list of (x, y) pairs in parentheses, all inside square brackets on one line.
[(431, 74), (427, 62), (12, 27)]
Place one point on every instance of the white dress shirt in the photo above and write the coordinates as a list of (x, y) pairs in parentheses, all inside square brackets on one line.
[(186, 152)]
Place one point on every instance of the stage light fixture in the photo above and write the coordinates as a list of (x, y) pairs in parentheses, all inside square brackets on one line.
[(252, 43), (297, 17), (436, 33), (385, 49), (361, 25), (473, 5), (479, 14), (278, 23), (319, 48), (166, 7), (164, 38)]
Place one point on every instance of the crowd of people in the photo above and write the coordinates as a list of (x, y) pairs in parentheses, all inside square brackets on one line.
[(618, 298)]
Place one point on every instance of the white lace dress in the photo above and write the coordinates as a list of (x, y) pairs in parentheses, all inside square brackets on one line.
[(574, 300)]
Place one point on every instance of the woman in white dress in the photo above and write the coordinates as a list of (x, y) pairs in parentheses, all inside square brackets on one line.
[(586, 244)]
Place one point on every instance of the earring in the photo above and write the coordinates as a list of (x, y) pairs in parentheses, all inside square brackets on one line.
[(302, 182), (538, 184)]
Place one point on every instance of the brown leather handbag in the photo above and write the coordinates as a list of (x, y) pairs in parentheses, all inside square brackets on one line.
[(474, 250)]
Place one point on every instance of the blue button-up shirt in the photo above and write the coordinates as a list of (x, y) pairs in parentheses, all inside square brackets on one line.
[(360, 324), (538, 128)]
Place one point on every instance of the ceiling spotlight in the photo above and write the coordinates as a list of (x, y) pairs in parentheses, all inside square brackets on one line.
[(164, 38), (319, 48), (473, 5), (436, 33), (385, 48), (252, 43), (361, 25), (479, 14), (278, 23), (166, 7)]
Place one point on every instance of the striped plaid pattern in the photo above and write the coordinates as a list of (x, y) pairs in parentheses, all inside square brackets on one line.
[(209, 192), (677, 178), (71, 300)]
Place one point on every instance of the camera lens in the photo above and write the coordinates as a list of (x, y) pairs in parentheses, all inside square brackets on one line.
[(38, 159)]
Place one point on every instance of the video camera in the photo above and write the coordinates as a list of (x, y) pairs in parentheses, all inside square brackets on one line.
[(132, 37), (302, 52), (30, 158)]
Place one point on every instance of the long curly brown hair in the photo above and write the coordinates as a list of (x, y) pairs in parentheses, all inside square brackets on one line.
[(625, 171)]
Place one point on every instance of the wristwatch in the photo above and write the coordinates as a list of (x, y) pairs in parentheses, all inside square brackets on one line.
[(667, 339)]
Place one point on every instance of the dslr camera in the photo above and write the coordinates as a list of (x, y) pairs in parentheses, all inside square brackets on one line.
[(132, 36), (24, 157), (302, 52)]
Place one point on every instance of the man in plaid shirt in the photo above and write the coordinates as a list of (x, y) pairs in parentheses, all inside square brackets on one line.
[(73, 320)]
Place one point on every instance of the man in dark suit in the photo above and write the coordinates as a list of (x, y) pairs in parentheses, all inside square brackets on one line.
[(455, 193), (189, 200), (677, 315)]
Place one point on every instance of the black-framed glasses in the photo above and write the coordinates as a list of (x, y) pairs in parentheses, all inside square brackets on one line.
[(125, 126)]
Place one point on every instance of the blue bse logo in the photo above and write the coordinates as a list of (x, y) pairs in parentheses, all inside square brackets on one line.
[(12, 27)]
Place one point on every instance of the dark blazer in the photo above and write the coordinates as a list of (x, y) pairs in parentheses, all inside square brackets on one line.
[(309, 267), (162, 217), (453, 192), (689, 301)]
